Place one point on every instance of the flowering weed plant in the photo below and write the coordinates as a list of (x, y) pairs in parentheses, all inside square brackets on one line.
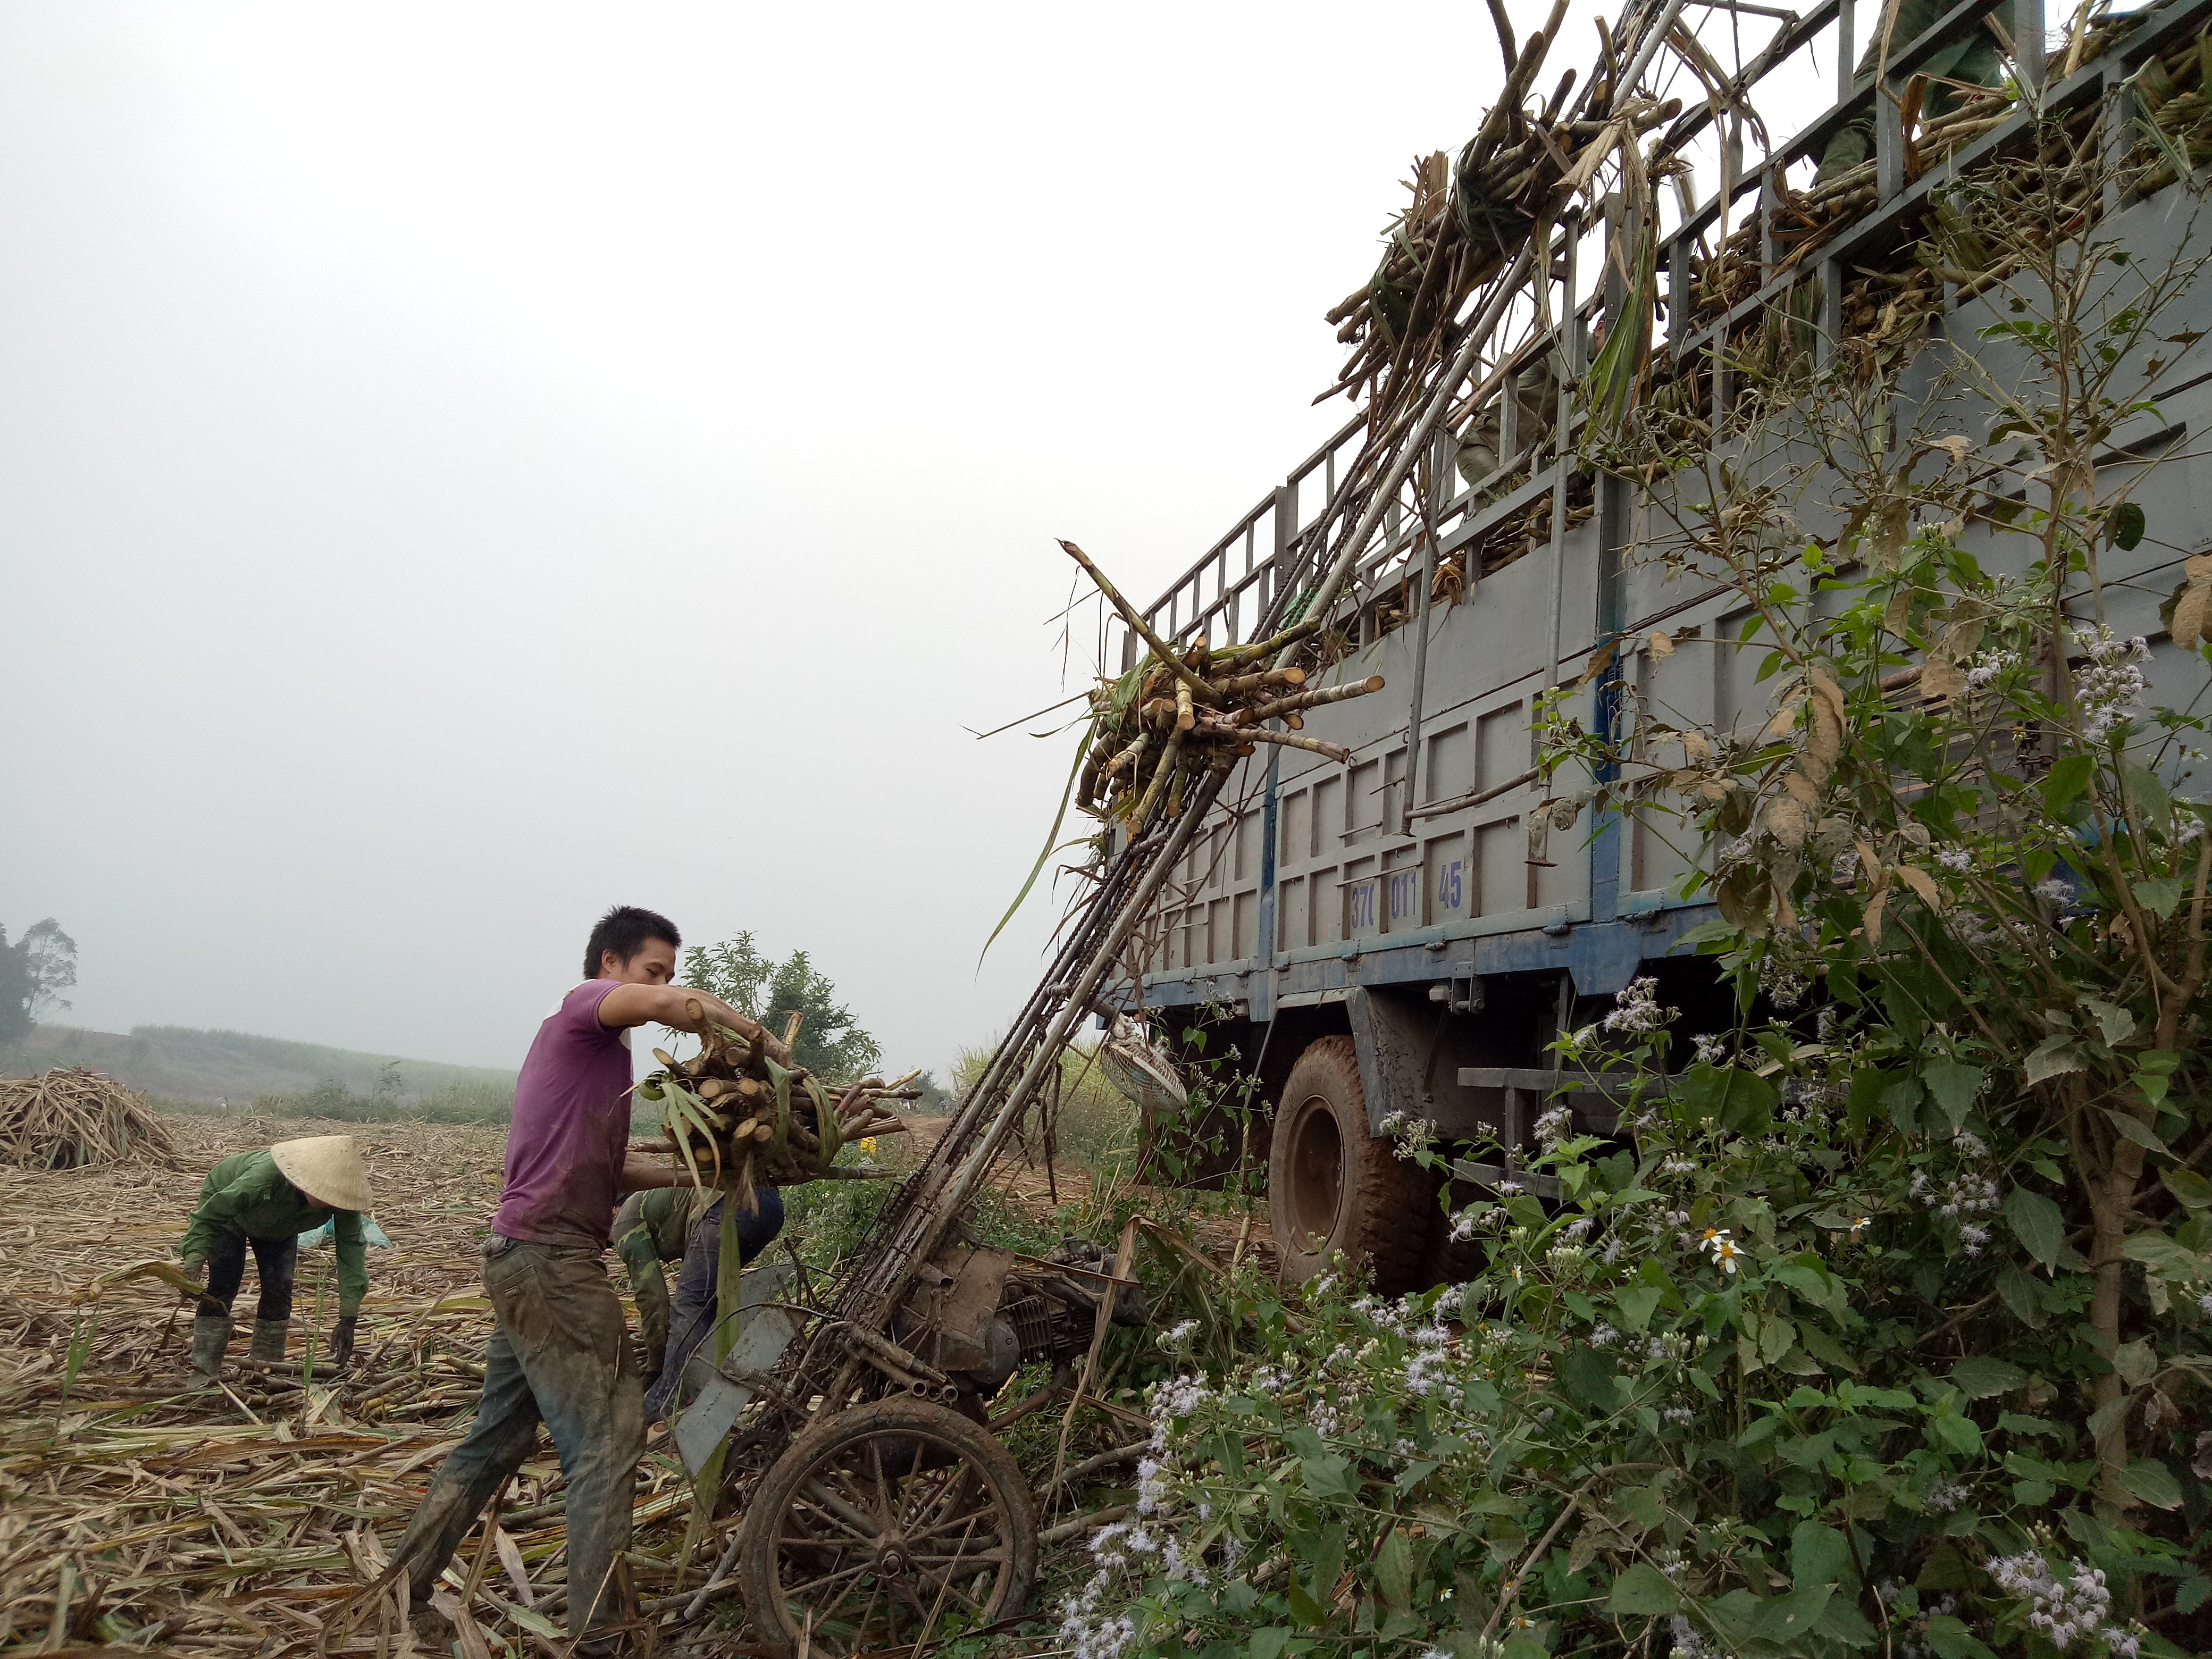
[(1879, 1323)]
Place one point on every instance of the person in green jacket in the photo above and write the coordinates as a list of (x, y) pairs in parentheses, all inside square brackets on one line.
[(265, 1200), (658, 1226), (1974, 59), (651, 1227)]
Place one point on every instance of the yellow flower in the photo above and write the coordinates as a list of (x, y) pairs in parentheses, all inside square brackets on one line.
[(868, 1147)]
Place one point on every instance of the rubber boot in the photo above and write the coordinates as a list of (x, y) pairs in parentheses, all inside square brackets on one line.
[(210, 1336), (269, 1336)]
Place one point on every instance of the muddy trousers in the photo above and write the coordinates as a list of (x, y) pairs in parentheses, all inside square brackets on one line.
[(559, 1354)]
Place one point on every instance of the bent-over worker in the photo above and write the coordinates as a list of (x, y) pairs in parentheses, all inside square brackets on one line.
[(560, 1351), (265, 1200), (657, 1226)]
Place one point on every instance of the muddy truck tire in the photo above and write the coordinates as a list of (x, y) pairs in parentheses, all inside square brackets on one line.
[(1333, 1185)]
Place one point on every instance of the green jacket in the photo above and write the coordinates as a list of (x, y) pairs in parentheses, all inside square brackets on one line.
[(245, 1194), (652, 1227)]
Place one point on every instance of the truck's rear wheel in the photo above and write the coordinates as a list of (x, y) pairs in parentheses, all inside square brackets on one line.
[(1332, 1186)]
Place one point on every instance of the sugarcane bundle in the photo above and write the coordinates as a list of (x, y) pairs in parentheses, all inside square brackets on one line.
[(1470, 216), (70, 1117), (736, 1114), (1178, 713)]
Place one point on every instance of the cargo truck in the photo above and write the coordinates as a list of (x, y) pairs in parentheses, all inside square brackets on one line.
[(1381, 940)]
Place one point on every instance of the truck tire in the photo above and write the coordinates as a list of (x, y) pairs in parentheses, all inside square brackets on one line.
[(1332, 1186)]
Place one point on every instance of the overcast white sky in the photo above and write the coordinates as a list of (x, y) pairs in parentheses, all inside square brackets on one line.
[(465, 465)]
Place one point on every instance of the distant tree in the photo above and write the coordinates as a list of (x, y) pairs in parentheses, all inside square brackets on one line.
[(733, 970), (932, 1097), (33, 973), (830, 1043)]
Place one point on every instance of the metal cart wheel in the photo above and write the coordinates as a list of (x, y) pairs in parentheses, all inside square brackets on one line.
[(885, 1522)]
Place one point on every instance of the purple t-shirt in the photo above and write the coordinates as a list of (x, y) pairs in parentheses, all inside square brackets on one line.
[(565, 1151)]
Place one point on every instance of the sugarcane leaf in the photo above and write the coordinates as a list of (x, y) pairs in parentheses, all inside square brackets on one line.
[(686, 1112), (781, 1079), (1620, 361), (1052, 844), (825, 1115)]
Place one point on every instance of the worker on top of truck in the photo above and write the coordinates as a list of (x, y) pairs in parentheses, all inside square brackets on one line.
[(560, 1350), (265, 1200), (659, 1226), (1974, 60)]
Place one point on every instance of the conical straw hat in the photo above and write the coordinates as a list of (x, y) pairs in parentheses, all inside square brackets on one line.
[(326, 1168)]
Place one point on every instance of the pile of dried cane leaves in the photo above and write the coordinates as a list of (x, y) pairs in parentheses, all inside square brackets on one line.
[(69, 1116), (139, 1508)]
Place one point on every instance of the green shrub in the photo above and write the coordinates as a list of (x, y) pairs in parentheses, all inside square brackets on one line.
[(1883, 1328)]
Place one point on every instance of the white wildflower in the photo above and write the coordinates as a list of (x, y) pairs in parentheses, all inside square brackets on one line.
[(1990, 665), (1690, 1643), (1785, 987), (1943, 1498), (2108, 685), (1720, 1245), (2062, 1609), (1637, 1010)]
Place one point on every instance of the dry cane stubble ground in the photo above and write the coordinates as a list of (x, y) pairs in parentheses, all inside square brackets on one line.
[(139, 1507), (136, 1507)]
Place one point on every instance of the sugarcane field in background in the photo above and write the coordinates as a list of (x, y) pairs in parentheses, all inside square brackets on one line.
[(69, 1116)]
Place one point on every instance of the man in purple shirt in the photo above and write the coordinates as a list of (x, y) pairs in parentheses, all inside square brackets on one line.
[(560, 1351)]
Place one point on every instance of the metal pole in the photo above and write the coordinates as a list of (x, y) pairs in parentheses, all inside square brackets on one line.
[(2028, 44), (1570, 339), (1627, 86), (1438, 450)]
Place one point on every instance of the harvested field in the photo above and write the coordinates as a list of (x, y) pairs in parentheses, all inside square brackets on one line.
[(137, 1507)]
